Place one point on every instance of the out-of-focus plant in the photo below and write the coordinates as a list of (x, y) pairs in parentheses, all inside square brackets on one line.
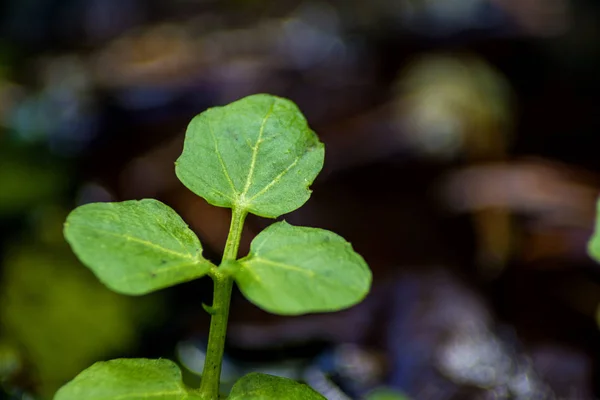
[(594, 242), (55, 316), (454, 106), (594, 250), (457, 106), (25, 183), (256, 155)]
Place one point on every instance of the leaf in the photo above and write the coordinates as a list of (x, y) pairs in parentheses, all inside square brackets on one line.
[(128, 379), (135, 247), (257, 154), (257, 386), (295, 270), (593, 247)]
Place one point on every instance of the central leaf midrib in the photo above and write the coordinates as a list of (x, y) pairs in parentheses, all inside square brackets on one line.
[(179, 391), (274, 181), (218, 153), (282, 265), (163, 270), (285, 249), (255, 152), (144, 242), (310, 272)]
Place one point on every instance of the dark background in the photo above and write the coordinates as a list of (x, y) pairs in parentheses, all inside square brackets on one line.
[(461, 161)]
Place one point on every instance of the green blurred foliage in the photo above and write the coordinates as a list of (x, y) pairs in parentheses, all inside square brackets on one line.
[(10, 359), (25, 183), (593, 247)]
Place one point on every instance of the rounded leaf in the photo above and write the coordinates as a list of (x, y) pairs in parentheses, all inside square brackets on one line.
[(128, 379), (257, 154), (296, 270), (135, 247), (257, 386)]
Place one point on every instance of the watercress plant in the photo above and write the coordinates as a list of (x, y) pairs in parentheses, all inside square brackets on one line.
[(256, 155)]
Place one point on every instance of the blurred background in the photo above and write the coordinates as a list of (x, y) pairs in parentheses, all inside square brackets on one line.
[(462, 161)]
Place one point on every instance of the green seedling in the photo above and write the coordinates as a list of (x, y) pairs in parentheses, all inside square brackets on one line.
[(256, 155)]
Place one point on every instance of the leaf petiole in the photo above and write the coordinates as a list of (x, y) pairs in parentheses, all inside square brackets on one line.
[(208, 309)]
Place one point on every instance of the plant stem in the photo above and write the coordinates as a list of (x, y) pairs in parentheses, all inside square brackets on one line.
[(223, 284), (209, 385), (235, 235)]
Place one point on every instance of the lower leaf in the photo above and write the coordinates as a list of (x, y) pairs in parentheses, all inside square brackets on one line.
[(128, 379), (257, 386), (294, 270)]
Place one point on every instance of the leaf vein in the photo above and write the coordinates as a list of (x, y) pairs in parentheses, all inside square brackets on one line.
[(284, 266), (162, 270), (275, 180), (144, 242), (147, 395), (255, 149), (170, 232), (251, 272), (218, 153)]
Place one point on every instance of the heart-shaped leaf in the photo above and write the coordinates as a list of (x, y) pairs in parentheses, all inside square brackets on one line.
[(135, 247), (256, 154), (257, 386), (295, 270), (128, 379)]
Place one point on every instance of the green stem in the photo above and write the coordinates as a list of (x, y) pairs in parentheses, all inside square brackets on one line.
[(209, 386), (235, 235)]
